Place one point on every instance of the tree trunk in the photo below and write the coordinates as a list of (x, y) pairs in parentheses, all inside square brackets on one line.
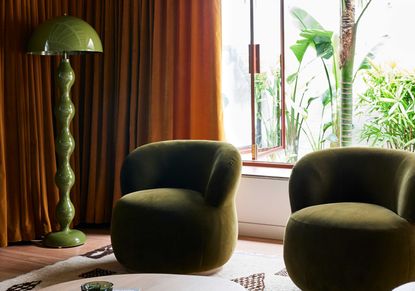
[(348, 41)]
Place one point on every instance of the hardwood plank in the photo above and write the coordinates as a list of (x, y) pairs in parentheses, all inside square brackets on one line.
[(22, 258)]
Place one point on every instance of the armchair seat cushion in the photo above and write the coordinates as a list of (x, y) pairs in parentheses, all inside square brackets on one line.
[(143, 212), (366, 241), (171, 230), (350, 216), (164, 199)]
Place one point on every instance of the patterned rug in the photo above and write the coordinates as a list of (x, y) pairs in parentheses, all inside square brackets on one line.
[(253, 271)]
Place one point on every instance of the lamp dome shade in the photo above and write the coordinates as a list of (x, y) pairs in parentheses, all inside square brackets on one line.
[(64, 35)]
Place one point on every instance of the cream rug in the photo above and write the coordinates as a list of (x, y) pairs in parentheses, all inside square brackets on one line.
[(253, 271)]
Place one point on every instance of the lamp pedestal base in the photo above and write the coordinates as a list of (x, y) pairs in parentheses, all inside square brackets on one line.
[(65, 177), (64, 239)]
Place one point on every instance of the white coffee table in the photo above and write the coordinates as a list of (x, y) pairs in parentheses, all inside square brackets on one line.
[(155, 282), (406, 287)]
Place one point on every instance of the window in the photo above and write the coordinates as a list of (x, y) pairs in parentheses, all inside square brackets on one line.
[(252, 77), (284, 92)]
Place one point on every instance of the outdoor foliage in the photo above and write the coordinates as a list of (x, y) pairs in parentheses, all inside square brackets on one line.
[(268, 108), (390, 103), (312, 36), (333, 100)]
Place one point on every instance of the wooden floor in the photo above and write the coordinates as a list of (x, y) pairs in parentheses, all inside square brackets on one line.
[(22, 258)]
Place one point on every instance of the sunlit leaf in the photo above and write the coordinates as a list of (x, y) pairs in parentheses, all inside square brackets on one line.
[(310, 100), (387, 100), (366, 63), (326, 98), (299, 48), (393, 108), (291, 78), (321, 40), (304, 20), (327, 125)]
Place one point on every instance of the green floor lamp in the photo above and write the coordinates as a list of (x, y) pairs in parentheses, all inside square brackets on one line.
[(64, 35)]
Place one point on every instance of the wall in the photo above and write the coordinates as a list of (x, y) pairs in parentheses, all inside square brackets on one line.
[(263, 206)]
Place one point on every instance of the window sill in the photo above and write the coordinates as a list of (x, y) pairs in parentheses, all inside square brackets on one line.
[(266, 172)]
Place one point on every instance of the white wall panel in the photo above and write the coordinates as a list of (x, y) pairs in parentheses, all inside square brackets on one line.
[(263, 206)]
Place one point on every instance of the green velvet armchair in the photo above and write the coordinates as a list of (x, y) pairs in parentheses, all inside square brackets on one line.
[(352, 221), (178, 213)]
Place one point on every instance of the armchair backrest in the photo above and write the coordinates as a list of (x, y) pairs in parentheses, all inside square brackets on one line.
[(356, 174), (210, 167)]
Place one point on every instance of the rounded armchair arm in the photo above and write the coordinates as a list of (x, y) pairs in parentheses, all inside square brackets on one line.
[(406, 197), (372, 175), (225, 175)]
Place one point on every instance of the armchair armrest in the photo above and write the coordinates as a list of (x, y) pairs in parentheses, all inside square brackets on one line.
[(406, 195), (224, 177)]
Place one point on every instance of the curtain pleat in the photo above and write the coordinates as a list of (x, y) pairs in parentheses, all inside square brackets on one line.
[(157, 79), (26, 130), (3, 176)]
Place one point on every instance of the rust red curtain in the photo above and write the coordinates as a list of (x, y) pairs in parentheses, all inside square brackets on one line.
[(185, 72), (158, 78)]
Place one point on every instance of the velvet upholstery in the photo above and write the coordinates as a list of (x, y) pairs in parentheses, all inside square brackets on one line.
[(351, 226), (178, 211)]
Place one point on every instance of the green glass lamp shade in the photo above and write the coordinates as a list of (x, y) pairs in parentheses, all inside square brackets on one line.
[(64, 35)]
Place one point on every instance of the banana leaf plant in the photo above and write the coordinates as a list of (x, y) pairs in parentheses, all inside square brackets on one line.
[(313, 36), (329, 51)]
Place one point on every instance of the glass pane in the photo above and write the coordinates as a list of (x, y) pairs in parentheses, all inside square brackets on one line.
[(268, 80), (235, 72), (236, 79)]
